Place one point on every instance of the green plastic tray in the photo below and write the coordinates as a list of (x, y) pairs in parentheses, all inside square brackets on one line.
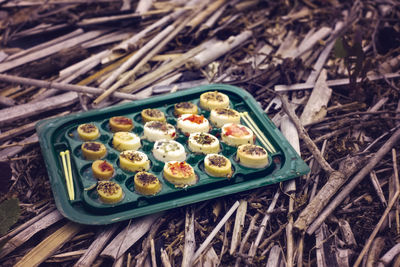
[(59, 134)]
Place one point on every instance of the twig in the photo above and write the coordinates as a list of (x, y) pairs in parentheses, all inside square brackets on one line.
[(305, 137), (239, 224), (190, 241), (165, 259), (263, 225), (355, 181), (378, 226), (215, 231), (332, 83), (97, 245), (246, 237), (375, 251)]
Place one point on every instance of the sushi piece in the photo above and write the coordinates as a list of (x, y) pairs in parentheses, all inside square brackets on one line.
[(204, 143), (88, 131), (134, 161), (192, 123), (93, 150), (236, 134), (179, 173), (156, 130), (102, 169), (185, 108), (212, 100), (109, 192), (150, 114), (221, 116), (252, 156), (147, 183), (218, 166), (121, 124), (169, 150), (126, 141)]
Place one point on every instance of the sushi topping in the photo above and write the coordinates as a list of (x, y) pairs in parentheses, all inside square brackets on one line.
[(88, 128), (218, 161), (180, 168), (167, 146), (159, 125), (108, 188), (155, 113), (132, 156), (195, 118), (146, 178), (125, 136), (254, 150), (184, 105), (122, 120), (236, 130), (105, 166), (203, 139), (225, 111), (214, 96), (92, 146)]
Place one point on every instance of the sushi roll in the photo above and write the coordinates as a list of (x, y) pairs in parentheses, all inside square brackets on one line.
[(150, 114), (134, 161), (102, 170), (192, 123), (169, 150), (109, 192), (236, 134), (221, 116), (156, 130), (126, 141), (252, 156), (121, 124), (88, 131), (212, 100), (93, 150), (185, 108), (204, 143), (146, 183), (179, 173), (218, 165)]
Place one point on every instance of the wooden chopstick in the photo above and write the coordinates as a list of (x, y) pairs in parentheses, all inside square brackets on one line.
[(249, 121), (68, 178), (71, 182)]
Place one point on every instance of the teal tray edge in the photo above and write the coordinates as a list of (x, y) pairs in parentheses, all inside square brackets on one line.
[(292, 168)]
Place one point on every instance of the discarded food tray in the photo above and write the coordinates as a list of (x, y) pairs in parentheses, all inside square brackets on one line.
[(60, 134)]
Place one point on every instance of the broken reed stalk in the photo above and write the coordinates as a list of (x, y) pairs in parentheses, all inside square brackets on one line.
[(354, 182), (238, 227), (162, 71), (263, 225), (209, 238), (190, 241), (48, 246), (205, 13), (133, 59), (103, 236), (392, 202), (336, 178), (304, 135), (177, 27), (61, 86)]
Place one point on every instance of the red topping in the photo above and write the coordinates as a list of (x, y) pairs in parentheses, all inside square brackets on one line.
[(195, 118), (173, 134), (122, 120), (180, 168), (105, 166), (236, 130)]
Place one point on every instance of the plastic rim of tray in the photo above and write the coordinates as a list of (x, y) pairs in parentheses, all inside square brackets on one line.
[(58, 134)]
